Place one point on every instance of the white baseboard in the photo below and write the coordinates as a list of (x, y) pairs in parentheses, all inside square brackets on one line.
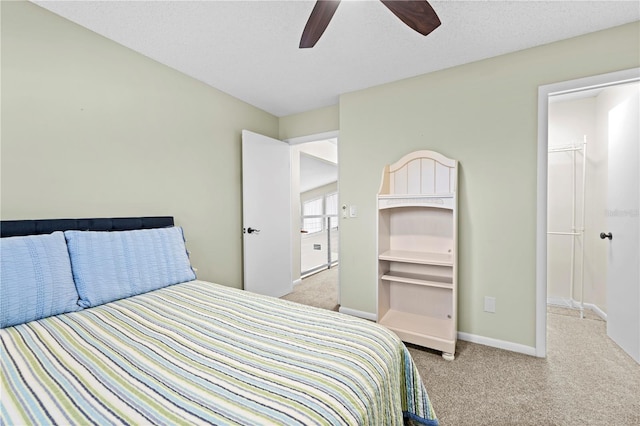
[(473, 338), (599, 312), (360, 314), (559, 301), (524, 349), (487, 341), (298, 281), (574, 304), (496, 343)]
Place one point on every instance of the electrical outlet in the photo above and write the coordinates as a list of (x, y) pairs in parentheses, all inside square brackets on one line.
[(490, 304)]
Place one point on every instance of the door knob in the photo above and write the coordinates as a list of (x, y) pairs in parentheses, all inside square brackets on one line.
[(253, 231), (608, 235)]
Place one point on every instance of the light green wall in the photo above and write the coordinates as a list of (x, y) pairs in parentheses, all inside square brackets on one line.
[(483, 114), (312, 122), (90, 128)]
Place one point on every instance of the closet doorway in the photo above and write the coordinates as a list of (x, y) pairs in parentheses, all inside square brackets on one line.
[(592, 193)]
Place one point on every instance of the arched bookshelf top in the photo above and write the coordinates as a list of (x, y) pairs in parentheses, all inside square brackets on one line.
[(420, 173)]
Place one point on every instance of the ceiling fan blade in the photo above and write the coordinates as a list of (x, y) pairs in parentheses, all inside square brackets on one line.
[(417, 14), (318, 20)]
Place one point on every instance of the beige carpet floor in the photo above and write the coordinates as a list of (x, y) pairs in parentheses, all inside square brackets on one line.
[(319, 290), (585, 379)]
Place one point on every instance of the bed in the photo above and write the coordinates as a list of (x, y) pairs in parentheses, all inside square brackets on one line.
[(186, 352)]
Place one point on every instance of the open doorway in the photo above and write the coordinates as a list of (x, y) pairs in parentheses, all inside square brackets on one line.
[(579, 156), (319, 209), (314, 200)]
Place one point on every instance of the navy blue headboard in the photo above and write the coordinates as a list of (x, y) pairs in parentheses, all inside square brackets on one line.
[(16, 228)]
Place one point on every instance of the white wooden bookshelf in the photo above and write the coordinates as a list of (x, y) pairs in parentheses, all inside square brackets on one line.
[(417, 250)]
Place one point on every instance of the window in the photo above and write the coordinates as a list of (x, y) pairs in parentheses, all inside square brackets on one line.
[(331, 209), (312, 216), (316, 210)]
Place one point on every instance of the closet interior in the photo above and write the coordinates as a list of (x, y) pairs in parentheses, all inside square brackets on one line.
[(577, 152)]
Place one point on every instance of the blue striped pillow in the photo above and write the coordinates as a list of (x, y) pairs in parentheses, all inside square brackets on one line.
[(113, 265), (36, 280)]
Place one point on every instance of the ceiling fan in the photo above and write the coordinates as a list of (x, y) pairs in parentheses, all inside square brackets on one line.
[(417, 14)]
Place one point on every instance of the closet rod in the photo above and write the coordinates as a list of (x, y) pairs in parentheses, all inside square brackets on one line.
[(563, 233), (567, 148)]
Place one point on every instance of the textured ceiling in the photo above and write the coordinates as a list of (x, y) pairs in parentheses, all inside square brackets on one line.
[(249, 49)]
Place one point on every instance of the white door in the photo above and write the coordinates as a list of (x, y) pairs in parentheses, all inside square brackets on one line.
[(266, 221), (623, 276)]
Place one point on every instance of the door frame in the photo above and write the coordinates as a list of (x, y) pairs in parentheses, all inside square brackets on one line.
[(577, 85)]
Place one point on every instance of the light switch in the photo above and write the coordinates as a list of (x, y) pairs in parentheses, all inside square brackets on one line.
[(353, 211)]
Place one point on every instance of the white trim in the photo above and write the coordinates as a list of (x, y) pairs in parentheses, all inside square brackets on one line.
[(602, 80), (597, 84), (560, 301), (574, 304), (495, 343), (359, 314), (541, 223), (596, 310), (312, 138), (297, 282)]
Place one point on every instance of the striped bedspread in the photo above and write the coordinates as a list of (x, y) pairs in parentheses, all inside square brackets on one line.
[(201, 353)]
